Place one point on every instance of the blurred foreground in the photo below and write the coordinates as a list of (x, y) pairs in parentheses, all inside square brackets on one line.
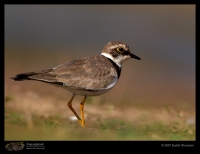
[(34, 117)]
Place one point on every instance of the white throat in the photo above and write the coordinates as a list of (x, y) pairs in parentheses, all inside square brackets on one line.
[(116, 61)]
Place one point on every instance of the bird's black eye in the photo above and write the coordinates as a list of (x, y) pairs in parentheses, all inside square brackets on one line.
[(120, 49)]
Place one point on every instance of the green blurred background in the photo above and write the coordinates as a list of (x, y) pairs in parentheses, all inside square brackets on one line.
[(162, 84)]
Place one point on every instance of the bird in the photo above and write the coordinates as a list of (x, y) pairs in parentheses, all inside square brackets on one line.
[(90, 76)]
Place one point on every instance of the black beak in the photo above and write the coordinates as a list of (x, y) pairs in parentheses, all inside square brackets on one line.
[(134, 56)]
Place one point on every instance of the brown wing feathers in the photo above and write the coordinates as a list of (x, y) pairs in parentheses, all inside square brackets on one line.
[(82, 73)]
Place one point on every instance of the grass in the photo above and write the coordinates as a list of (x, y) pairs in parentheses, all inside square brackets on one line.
[(22, 122), (50, 129)]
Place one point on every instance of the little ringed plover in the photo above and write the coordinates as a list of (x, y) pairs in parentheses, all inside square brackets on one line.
[(90, 76)]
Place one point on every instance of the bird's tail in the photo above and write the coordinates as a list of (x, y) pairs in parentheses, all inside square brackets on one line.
[(25, 76)]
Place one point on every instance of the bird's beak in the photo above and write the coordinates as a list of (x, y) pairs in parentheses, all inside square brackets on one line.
[(134, 56)]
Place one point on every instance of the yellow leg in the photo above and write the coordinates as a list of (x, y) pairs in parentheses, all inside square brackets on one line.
[(81, 120), (82, 112), (71, 108)]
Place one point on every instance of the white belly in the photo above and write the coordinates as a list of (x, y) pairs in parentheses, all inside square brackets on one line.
[(85, 92)]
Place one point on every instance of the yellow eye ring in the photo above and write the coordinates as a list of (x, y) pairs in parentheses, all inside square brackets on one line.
[(120, 49)]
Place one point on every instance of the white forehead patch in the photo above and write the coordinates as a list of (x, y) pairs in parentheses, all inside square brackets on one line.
[(117, 45)]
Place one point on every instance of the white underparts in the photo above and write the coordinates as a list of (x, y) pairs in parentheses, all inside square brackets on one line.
[(111, 83)]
